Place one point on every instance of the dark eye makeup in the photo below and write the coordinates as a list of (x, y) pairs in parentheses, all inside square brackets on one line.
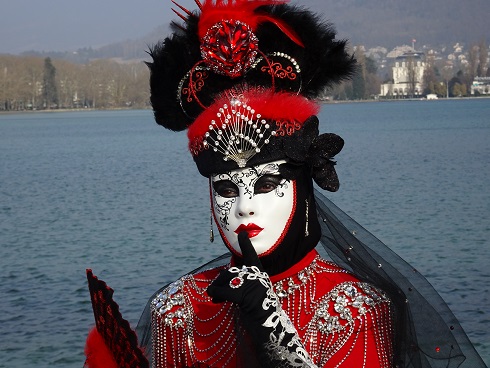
[(265, 184), (225, 188)]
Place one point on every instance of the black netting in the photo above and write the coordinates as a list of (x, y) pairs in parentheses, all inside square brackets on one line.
[(427, 334)]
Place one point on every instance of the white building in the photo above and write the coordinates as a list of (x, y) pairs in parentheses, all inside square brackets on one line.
[(481, 85), (408, 76)]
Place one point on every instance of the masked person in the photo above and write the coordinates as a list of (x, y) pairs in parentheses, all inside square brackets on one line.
[(242, 77), (301, 312)]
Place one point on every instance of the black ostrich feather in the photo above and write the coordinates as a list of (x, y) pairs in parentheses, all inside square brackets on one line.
[(324, 62), (172, 59)]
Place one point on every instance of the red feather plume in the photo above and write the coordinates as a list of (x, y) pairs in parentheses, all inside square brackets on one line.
[(244, 11), (275, 106), (97, 353)]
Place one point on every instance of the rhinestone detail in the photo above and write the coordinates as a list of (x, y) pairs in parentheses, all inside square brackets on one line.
[(238, 133)]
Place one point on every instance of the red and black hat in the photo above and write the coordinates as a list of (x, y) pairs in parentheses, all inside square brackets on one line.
[(242, 77)]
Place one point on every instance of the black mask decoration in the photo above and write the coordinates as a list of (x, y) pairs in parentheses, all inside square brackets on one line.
[(304, 231)]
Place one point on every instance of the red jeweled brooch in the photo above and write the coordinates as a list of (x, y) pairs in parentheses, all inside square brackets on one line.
[(230, 48)]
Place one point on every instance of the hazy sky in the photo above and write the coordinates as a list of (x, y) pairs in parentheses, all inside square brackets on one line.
[(62, 25)]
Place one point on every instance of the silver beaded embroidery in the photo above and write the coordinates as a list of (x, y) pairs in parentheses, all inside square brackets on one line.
[(348, 299), (238, 133), (283, 55), (170, 305), (335, 318)]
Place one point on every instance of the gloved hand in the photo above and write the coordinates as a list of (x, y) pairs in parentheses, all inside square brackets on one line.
[(250, 288)]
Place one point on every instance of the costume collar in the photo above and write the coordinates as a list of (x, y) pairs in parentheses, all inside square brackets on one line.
[(296, 268)]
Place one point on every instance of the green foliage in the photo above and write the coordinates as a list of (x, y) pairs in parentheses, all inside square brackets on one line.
[(458, 90), (50, 92), (365, 83), (371, 66), (358, 87)]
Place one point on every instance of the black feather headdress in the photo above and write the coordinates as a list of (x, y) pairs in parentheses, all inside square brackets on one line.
[(240, 51), (322, 61)]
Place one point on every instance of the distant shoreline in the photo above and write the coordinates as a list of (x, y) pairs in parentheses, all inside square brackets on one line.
[(327, 102), (407, 100), (67, 110)]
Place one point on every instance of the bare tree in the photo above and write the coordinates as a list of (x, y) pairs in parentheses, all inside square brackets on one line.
[(472, 62), (411, 75), (429, 77), (482, 58), (34, 75)]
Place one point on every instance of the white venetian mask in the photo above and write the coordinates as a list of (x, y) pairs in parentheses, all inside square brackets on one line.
[(257, 200)]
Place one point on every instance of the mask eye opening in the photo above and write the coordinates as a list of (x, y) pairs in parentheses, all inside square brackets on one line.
[(225, 188)]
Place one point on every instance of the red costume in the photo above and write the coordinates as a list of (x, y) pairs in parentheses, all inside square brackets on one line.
[(342, 322), (241, 77)]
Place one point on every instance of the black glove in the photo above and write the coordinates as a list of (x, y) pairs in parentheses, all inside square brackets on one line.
[(250, 288)]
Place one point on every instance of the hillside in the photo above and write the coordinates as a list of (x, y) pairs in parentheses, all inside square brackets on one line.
[(365, 22), (393, 22)]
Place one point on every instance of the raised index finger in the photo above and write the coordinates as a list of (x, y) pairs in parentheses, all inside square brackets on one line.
[(250, 257)]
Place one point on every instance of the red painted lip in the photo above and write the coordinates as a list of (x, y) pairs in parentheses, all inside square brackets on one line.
[(251, 229)]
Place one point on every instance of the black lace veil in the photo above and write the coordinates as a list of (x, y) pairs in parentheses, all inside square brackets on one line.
[(427, 334)]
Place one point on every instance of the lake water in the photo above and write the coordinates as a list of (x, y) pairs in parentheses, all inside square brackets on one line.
[(114, 192)]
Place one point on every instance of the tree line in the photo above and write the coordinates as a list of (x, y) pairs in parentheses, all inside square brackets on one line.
[(37, 83), (365, 83), (33, 83), (450, 82)]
